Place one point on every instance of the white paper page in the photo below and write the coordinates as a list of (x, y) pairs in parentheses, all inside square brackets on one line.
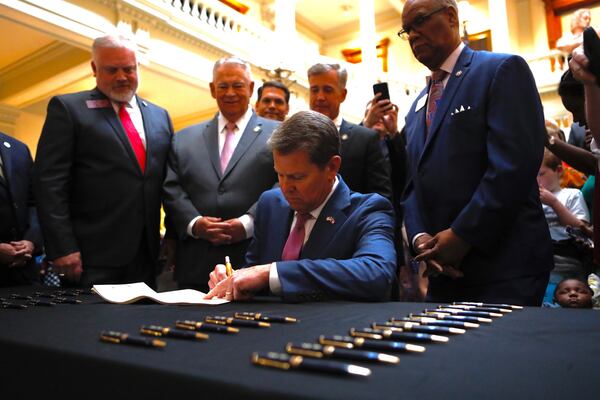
[(132, 292)]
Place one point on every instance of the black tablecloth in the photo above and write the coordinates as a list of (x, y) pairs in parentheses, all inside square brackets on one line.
[(533, 353)]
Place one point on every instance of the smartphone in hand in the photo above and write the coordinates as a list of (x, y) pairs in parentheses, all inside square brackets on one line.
[(382, 88)]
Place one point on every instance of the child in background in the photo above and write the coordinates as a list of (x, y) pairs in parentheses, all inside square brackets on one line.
[(573, 293), (563, 207)]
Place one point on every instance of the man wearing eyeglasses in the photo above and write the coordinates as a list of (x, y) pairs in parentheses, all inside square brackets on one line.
[(475, 140)]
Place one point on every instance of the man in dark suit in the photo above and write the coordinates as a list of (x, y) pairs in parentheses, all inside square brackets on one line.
[(273, 101), (314, 238), (217, 170), (475, 140), (364, 169), (20, 236), (99, 170)]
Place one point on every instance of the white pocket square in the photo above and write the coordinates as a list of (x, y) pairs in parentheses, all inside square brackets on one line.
[(460, 109)]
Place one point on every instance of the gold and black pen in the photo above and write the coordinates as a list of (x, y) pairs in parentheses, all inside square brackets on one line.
[(404, 326), (453, 317), (349, 342), (264, 317), (66, 300), (12, 305), (155, 330), (125, 338), (228, 267), (436, 322), (477, 308), (471, 303), (203, 326), (315, 350), (220, 320), (287, 362), (468, 313), (388, 334)]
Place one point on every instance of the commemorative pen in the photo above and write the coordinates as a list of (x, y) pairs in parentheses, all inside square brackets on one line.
[(316, 350), (66, 300), (13, 305), (125, 338), (20, 296), (220, 320), (403, 326), (349, 342), (453, 317), (437, 322), (286, 362), (264, 317), (471, 303), (228, 267), (388, 334), (477, 308), (467, 313), (42, 303), (155, 330), (203, 326)]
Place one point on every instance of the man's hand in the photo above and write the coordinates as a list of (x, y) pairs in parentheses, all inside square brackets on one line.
[(242, 285), (580, 67), (443, 253), (24, 252), (69, 266), (217, 275), (377, 109), (390, 121), (236, 230), (212, 229), (7, 253)]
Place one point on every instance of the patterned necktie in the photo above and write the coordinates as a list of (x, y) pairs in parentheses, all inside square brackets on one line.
[(134, 137), (293, 245), (228, 146), (435, 95)]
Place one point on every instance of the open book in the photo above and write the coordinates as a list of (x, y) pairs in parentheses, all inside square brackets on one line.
[(131, 292)]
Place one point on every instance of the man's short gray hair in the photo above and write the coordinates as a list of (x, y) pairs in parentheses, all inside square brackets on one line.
[(321, 68), (311, 132), (233, 60), (113, 42)]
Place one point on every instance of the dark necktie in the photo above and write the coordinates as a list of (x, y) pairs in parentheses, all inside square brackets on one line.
[(293, 245), (134, 137), (435, 95)]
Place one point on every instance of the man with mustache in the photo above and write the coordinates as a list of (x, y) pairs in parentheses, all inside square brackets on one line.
[(98, 174)]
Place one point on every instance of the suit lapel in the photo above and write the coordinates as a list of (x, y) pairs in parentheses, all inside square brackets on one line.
[(211, 138), (331, 219), (253, 129), (113, 119), (454, 82)]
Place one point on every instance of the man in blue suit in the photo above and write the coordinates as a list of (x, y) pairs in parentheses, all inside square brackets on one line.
[(475, 140), (314, 239), (20, 235)]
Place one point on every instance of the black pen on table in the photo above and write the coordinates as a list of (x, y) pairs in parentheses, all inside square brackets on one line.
[(125, 338)]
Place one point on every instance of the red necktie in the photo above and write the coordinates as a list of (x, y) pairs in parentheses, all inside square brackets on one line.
[(596, 217), (295, 241), (134, 137), (435, 95), (228, 146)]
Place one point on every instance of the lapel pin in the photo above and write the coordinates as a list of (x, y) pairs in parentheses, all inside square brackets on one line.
[(344, 136), (458, 73), (256, 129), (144, 103), (7, 145), (330, 220)]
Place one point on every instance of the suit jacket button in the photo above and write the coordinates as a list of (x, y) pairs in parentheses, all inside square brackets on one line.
[(221, 190)]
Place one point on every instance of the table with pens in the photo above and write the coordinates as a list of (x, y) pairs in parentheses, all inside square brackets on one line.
[(95, 349)]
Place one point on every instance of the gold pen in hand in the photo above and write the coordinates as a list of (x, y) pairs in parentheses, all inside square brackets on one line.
[(228, 267), (125, 338)]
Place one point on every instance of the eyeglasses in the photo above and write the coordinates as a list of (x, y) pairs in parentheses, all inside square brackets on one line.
[(417, 23)]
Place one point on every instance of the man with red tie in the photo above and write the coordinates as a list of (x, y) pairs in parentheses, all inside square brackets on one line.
[(314, 239), (98, 174)]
